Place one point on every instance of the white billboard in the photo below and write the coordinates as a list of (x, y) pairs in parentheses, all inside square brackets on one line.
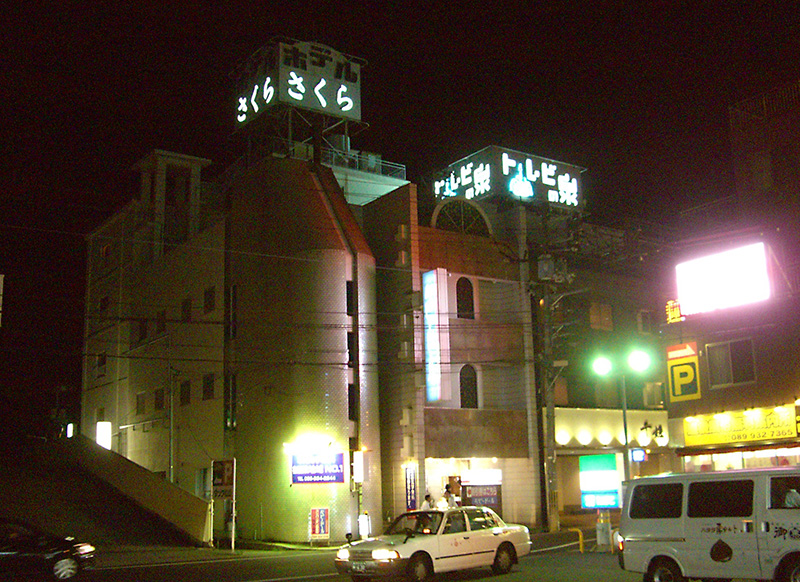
[(731, 278)]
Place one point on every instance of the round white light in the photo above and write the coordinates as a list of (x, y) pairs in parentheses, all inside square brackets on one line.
[(602, 366), (639, 360)]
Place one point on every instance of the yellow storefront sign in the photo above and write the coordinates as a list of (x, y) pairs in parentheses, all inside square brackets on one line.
[(743, 426)]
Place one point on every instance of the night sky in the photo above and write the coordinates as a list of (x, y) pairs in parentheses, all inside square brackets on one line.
[(637, 92)]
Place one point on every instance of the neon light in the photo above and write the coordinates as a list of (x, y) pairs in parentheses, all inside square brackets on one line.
[(433, 353)]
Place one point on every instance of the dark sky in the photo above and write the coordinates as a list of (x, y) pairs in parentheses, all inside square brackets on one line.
[(636, 92)]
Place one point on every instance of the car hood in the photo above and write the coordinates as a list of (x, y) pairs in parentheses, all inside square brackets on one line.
[(384, 541)]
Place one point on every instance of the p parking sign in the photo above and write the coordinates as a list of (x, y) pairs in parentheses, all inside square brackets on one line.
[(684, 372)]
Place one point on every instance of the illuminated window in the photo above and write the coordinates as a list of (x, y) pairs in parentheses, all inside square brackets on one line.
[(229, 401), (209, 300), (158, 399), (140, 403), (186, 392), (208, 387), (600, 316), (469, 387), (731, 363), (465, 299)]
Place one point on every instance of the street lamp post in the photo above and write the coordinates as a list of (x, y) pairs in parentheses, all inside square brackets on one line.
[(638, 361)]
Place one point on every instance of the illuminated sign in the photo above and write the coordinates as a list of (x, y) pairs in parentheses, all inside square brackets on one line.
[(673, 310), (722, 280), (437, 344), (411, 487), (683, 371), (319, 523), (497, 171), (302, 74), (223, 475), (318, 468), (599, 481), (742, 426)]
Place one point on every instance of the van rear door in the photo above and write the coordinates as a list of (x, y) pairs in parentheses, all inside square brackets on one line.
[(779, 529), (720, 530)]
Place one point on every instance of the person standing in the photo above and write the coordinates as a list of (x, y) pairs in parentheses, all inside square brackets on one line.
[(449, 497), (427, 505)]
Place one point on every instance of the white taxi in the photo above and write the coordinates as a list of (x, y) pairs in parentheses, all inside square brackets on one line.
[(420, 543)]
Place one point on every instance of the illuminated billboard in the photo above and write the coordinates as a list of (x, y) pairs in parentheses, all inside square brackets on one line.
[(301, 74), (599, 481), (495, 171), (728, 279)]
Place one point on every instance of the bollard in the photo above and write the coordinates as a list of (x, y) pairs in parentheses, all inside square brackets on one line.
[(604, 530), (580, 537)]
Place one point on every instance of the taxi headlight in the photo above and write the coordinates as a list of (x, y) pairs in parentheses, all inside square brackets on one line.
[(384, 554), (343, 554), (84, 549)]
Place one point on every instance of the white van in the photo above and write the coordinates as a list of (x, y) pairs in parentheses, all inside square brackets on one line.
[(712, 526)]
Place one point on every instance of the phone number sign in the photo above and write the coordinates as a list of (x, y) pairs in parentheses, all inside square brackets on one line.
[(758, 424), (318, 468)]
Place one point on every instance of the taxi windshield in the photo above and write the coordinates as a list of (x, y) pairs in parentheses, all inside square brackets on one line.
[(422, 522)]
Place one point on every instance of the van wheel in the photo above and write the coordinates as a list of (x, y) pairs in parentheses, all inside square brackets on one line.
[(664, 571), (790, 572)]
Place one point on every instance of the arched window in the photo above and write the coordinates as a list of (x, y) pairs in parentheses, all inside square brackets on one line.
[(465, 299), (469, 387)]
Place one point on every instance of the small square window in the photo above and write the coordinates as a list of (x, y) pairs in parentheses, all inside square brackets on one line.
[(208, 387), (140, 403), (158, 399), (101, 363), (161, 321), (186, 392), (209, 300), (186, 309), (141, 329)]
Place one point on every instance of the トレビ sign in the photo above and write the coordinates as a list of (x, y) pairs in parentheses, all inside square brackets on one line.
[(307, 75), (496, 171)]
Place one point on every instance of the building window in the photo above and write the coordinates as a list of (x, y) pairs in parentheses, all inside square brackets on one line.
[(600, 316), (100, 414), (161, 321), (101, 363), (352, 402), (468, 380), (158, 399), (103, 305), (208, 387), (230, 312), (644, 320), (140, 403), (141, 329), (731, 363), (186, 392), (351, 349), (350, 298), (229, 401), (186, 309), (209, 299), (465, 299)]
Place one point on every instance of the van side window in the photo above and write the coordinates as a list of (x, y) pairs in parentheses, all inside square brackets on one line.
[(721, 498), (656, 501), (785, 492)]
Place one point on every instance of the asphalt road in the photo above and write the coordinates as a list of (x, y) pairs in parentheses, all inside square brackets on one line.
[(564, 565)]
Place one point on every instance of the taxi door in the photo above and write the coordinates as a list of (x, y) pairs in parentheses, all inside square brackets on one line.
[(456, 545)]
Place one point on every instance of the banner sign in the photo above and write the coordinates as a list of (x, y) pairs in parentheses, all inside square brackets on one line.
[(742, 426), (411, 487), (319, 524), (318, 468)]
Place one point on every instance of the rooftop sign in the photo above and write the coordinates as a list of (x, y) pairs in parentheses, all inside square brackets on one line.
[(301, 74), (495, 171)]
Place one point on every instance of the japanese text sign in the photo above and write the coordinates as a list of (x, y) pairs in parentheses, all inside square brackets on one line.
[(302, 74), (498, 171), (318, 468)]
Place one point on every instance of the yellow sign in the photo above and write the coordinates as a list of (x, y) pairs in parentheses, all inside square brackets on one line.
[(674, 312), (683, 369), (743, 426)]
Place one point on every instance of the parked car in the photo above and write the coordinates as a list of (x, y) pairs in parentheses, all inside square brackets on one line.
[(25, 549), (419, 544)]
